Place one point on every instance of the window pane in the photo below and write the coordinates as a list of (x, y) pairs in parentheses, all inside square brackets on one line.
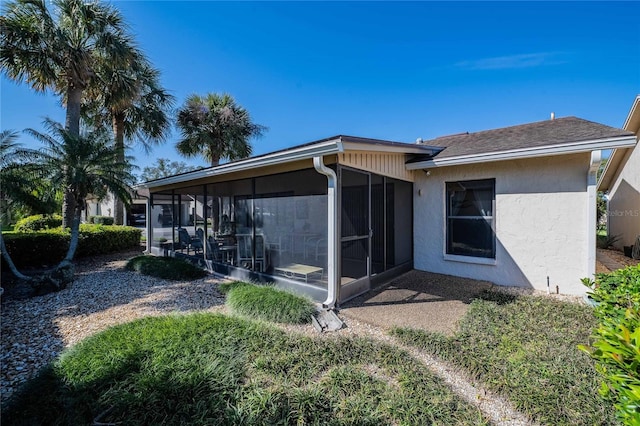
[(470, 237), (470, 200)]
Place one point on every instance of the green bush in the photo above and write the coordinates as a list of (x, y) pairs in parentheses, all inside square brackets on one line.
[(616, 345), (606, 241), (38, 222), (168, 268), (227, 286), (48, 247), (101, 220), (269, 303)]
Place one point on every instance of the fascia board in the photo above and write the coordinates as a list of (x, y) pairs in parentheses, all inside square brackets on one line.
[(632, 123), (306, 152), (408, 149), (611, 169), (544, 151)]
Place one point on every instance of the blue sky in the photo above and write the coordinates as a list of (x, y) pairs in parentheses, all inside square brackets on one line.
[(387, 70)]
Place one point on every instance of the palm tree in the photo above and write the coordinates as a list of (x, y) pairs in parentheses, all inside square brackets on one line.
[(131, 101), (16, 186), (82, 165), (216, 127), (62, 51)]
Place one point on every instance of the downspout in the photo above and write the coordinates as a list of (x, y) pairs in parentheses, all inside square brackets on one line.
[(592, 217), (332, 232)]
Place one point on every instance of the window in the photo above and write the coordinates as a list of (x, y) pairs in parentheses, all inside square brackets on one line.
[(470, 218)]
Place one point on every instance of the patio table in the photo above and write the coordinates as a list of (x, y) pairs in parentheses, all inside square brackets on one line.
[(298, 271)]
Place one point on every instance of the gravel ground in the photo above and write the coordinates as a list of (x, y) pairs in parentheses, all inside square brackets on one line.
[(35, 331)]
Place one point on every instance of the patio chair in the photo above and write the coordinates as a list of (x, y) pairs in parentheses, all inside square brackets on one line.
[(185, 241), (213, 250), (245, 251), (315, 246)]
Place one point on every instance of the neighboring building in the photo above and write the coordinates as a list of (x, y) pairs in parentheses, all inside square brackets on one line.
[(333, 218), (135, 214), (621, 181)]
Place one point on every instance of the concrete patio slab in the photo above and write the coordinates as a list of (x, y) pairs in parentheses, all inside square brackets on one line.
[(417, 299)]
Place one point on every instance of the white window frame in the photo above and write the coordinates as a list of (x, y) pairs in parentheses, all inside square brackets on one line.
[(491, 219)]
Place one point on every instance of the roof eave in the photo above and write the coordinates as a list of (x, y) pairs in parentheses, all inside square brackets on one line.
[(304, 152), (611, 169), (327, 147), (543, 151), (615, 163)]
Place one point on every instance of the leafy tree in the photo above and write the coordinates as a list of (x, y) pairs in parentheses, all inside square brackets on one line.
[(164, 168), (131, 101), (62, 50), (215, 127), (81, 165)]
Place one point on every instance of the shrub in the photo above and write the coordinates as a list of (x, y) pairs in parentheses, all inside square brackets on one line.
[(101, 220), (168, 268), (38, 222), (269, 303), (48, 247), (616, 345), (606, 241), (227, 286)]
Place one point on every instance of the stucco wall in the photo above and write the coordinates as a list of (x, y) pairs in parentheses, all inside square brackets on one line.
[(540, 222), (624, 204)]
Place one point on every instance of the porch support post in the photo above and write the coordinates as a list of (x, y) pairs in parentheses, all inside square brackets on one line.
[(332, 232), (592, 216), (149, 223)]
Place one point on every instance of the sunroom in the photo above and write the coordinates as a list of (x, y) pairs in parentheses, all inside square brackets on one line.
[(329, 219)]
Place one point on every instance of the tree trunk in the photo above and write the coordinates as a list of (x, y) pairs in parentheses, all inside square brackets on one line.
[(72, 124), (68, 208), (12, 266), (215, 161), (118, 131), (75, 237), (74, 101)]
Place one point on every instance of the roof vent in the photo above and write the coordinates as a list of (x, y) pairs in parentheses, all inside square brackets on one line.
[(418, 141), (553, 115)]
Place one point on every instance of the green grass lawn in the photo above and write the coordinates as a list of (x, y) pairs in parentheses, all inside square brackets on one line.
[(220, 370), (526, 349)]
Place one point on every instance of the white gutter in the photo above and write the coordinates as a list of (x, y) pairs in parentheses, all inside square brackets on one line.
[(332, 232), (543, 151), (592, 215)]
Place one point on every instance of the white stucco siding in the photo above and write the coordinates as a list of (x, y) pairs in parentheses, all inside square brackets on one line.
[(540, 222), (624, 204)]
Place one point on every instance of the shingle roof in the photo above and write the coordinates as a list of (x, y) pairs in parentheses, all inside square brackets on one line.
[(543, 133)]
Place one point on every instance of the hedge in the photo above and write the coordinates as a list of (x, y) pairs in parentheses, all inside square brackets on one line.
[(48, 247), (616, 340), (38, 222), (101, 220)]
